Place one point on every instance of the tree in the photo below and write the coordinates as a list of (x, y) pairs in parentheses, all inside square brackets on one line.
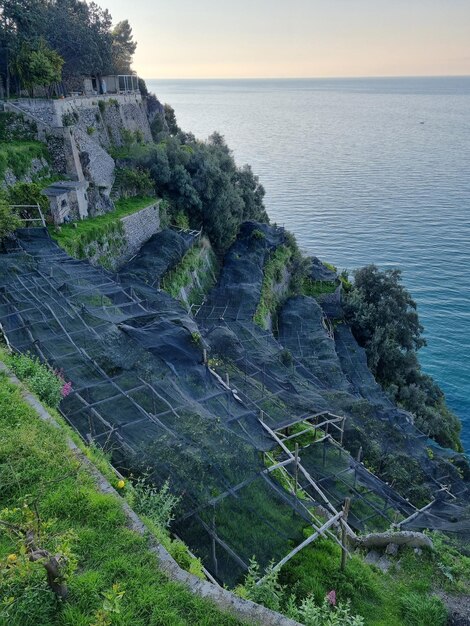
[(385, 322), (38, 65), (170, 119), (9, 221), (20, 21), (123, 47)]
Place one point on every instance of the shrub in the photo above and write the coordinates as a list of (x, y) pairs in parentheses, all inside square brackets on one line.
[(328, 614), (157, 504), (9, 221), (49, 386), (268, 592), (28, 193), (258, 235), (133, 182), (286, 357)]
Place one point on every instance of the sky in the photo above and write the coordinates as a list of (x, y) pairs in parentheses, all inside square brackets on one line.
[(297, 38)]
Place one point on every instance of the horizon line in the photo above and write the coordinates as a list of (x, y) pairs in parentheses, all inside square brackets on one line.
[(358, 77)]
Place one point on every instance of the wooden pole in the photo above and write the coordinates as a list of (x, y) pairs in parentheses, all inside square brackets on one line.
[(296, 469), (344, 535), (305, 543), (359, 454)]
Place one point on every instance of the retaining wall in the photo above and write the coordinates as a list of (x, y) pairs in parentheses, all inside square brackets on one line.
[(115, 248)]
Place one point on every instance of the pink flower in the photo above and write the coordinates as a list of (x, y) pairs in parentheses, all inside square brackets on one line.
[(331, 597), (66, 389)]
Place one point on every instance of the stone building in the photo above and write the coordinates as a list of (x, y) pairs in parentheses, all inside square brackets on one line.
[(67, 200)]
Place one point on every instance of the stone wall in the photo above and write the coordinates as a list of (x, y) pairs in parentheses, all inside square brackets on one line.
[(104, 117), (14, 127), (139, 227), (116, 247), (38, 166)]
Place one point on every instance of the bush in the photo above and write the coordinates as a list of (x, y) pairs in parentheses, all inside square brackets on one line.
[(268, 592), (157, 504), (133, 182), (9, 220), (258, 235), (49, 386), (28, 193), (328, 614)]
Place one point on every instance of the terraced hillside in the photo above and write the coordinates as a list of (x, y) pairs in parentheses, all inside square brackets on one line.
[(215, 403)]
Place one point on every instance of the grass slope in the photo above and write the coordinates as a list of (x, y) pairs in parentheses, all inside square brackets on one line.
[(36, 465), (17, 156)]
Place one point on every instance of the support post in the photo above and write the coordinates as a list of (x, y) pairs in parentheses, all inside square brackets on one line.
[(296, 469), (344, 535), (204, 354), (342, 432), (359, 454)]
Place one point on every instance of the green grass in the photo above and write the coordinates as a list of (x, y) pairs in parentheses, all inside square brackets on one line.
[(134, 151), (35, 464), (315, 288), (273, 274), (75, 238), (17, 156), (196, 273), (404, 595)]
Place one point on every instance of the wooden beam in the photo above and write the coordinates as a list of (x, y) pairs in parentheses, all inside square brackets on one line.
[(307, 541)]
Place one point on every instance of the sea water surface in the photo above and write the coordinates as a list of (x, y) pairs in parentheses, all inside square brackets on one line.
[(362, 171)]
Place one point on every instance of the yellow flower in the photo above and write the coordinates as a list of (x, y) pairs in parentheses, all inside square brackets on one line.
[(121, 484), (11, 558)]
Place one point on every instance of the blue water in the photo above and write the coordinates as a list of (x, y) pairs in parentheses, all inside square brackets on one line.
[(363, 171)]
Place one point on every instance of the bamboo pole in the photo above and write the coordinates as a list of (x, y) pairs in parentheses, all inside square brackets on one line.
[(305, 543), (344, 535)]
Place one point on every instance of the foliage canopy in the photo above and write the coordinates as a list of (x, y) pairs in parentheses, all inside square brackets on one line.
[(385, 322)]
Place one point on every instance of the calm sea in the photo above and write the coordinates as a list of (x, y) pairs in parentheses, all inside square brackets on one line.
[(362, 171)]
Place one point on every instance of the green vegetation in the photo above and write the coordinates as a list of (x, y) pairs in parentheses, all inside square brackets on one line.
[(110, 574), (33, 47), (132, 182), (315, 288), (9, 220), (195, 274), (385, 322), (37, 64), (14, 127), (49, 386), (201, 180), (29, 193), (101, 230), (403, 595), (274, 269), (17, 156)]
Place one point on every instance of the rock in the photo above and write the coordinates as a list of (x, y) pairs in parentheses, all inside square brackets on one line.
[(380, 561), (418, 551), (392, 549)]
